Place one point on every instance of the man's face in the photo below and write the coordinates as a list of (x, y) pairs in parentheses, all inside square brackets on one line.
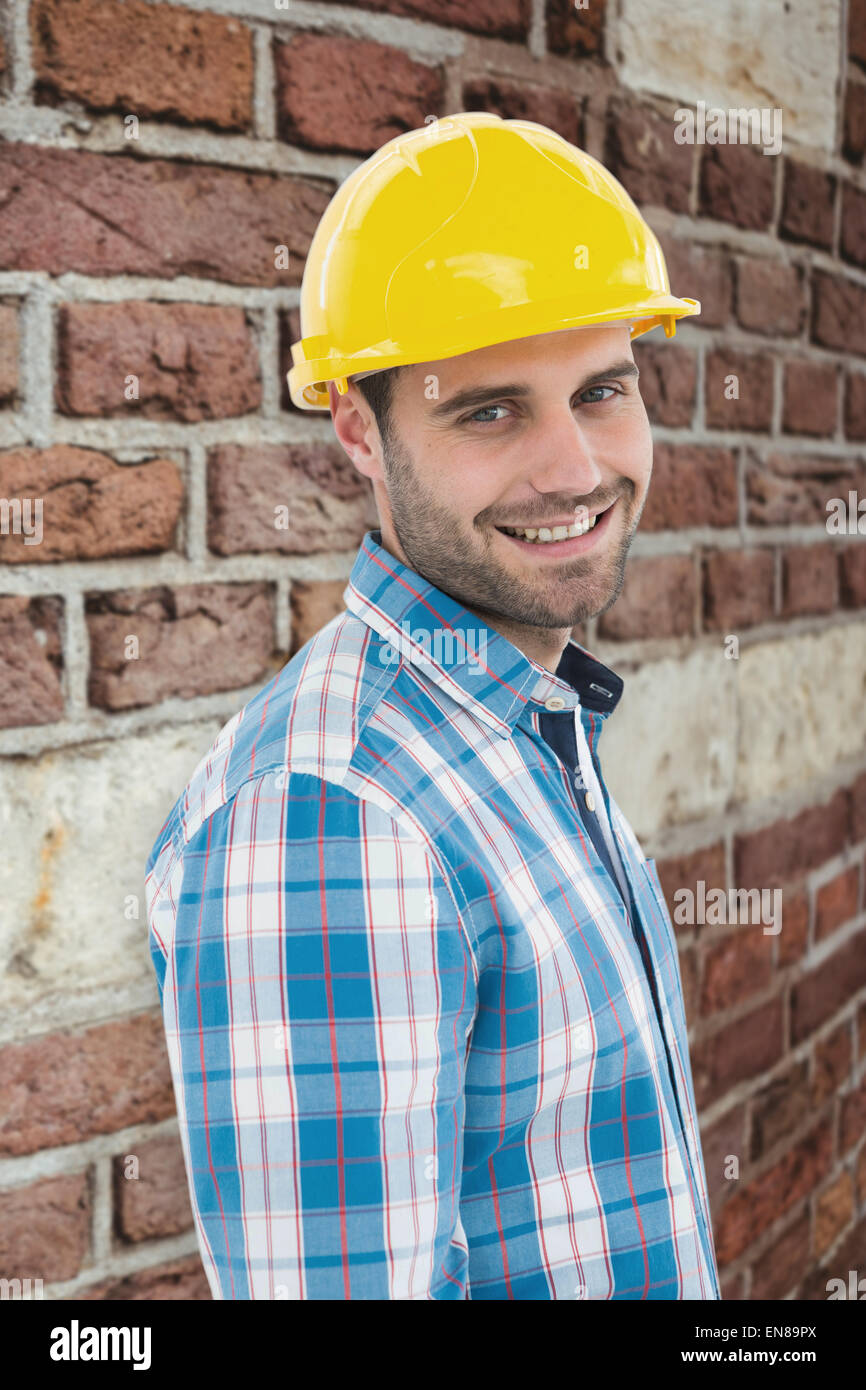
[(531, 433)]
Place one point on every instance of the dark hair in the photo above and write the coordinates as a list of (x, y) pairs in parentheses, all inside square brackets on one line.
[(377, 391)]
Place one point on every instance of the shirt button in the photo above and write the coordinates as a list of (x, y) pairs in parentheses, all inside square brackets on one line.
[(590, 801), (555, 702)]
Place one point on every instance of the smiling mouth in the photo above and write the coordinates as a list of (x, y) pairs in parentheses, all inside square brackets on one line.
[(561, 540)]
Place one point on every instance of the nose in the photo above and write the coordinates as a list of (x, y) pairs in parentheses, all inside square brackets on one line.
[(562, 456)]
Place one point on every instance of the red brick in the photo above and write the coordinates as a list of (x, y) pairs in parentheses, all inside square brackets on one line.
[(45, 1228), (340, 93), (330, 504), (518, 101), (30, 661), (857, 31), (810, 580), (720, 1142), (852, 245), (151, 1198), (100, 214), (738, 589), (832, 1064), (769, 297), (67, 1087), (822, 991), (860, 1180), (807, 205), (837, 902), (739, 1050), (852, 576), (852, 1118), (779, 1109), (811, 398), (691, 486), (685, 872), (154, 60), (657, 600), (855, 405), (737, 186), (193, 361), (314, 603), (702, 273), (857, 808), (834, 1210), (777, 1272), (182, 1280), (737, 967), (854, 133), (573, 31), (8, 353), (752, 406), (643, 155), (787, 849), (751, 1210), (192, 641), (785, 489), (846, 1256), (667, 382), (502, 19), (92, 507), (839, 313), (794, 936)]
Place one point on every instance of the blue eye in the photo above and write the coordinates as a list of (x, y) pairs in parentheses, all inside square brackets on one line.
[(598, 388), (480, 411)]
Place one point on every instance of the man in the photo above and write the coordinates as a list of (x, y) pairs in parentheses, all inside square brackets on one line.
[(420, 985)]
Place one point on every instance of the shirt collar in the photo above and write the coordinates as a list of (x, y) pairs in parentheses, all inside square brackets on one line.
[(469, 660)]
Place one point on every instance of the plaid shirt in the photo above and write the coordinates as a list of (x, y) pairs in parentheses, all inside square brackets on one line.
[(421, 1046)]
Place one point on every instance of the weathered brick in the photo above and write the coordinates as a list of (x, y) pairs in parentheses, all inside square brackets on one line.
[(92, 507), (192, 361), (69, 1086), (749, 1211), (30, 661), (502, 19), (737, 186), (846, 1256), (807, 205), (720, 1142), (852, 1118), (667, 382), (691, 486), (839, 313), (782, 852), (738, 589), (852, 244), (575, 31), (177, 1280), (518, 101), (787, 488), (779, 1109), (854, 131), (642, 153), (736, 967), (745, 403), (834, 1209), (855, 405), (837, 902), (684, 872), (314, 603), (857, 31), (155, 1201), (810, 580), (100, 214), (778, 1270), (657, 600), (769, 296), (340, 93), (330, 504), (852, 575), (8, 353), (702, 273), (153, 60), (44, 1228), (825, 989), (860, 1179), (739, 1050), (794, 936), (832, 1064), (857, 809), (192, 640), (811, 398)]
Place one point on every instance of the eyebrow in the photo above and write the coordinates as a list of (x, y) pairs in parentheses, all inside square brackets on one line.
[(480, 395)]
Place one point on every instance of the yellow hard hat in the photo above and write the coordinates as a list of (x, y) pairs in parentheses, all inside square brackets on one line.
[(467, 232)]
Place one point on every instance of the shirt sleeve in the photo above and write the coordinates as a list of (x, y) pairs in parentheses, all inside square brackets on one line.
[(318, 990)]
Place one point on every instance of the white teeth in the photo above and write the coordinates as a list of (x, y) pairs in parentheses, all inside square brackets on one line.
[(559, 533), (546, 534)]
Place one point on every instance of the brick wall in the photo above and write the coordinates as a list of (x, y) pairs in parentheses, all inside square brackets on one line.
[(162, 170)]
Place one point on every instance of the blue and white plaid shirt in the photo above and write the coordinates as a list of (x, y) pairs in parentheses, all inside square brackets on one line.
[(422, 1044)]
